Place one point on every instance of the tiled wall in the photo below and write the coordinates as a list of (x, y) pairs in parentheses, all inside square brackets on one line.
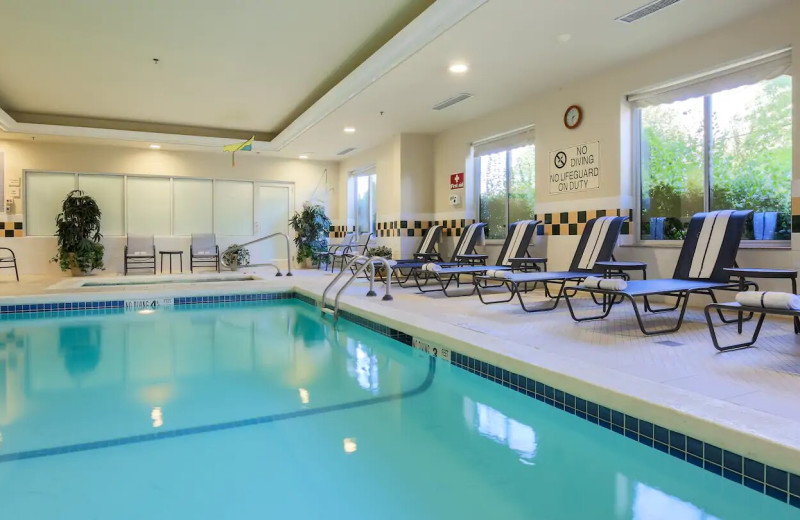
[(10, 229), (417, 228), (573, 222)]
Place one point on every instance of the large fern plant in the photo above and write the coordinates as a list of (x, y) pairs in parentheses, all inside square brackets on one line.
[(78, 232), (311, 227)]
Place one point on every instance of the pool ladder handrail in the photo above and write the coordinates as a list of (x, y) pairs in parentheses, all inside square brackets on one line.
[(288, 253), (369, 263)]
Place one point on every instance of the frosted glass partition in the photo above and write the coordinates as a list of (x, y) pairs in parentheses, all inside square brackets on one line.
[(109, 192), (149, 207), (192, 206), (233, 208), (45, 191)]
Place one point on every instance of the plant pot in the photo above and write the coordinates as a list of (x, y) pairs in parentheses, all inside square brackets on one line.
[(74, 269), (234, 266), (307, 264)]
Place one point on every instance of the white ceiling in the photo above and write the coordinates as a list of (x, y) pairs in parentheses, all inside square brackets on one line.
[(248, 64), (513, 52), (243, 64)]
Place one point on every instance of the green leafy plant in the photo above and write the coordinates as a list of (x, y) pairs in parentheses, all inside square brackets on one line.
[(236, 255), (311, 227), (385, 252), (78, 232)]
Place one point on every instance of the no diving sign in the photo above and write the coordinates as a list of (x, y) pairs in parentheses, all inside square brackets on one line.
[(576, 168)]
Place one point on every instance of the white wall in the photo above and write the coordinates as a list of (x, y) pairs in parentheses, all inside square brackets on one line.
[(34, 252), (607, 119)]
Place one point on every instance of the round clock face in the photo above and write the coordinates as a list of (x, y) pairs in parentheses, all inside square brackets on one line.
[(572, 117)]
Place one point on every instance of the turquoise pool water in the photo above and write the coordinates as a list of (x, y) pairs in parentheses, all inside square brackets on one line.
[(264, 411)]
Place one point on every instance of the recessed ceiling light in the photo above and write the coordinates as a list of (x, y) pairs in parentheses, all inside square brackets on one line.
[(459, 68), (304, 156), (349, 129), (155, 146), (564, 38)]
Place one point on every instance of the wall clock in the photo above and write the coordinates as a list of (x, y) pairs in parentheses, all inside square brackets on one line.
[(573, 117)]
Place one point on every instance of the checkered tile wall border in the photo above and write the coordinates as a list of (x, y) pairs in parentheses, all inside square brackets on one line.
[(573, 222), (11, 229), (339, 231), (417, 228)]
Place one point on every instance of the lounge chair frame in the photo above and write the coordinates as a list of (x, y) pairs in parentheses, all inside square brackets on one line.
[(472, 265), (197, 259), (740, 310), (681, 285), (558, 278), (9, 260)]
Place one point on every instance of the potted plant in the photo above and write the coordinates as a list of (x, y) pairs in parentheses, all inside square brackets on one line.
[(78, 232), (311, 227), (235, 257), (384, 251)]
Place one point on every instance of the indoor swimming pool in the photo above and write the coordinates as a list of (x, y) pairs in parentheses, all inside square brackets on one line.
[(264, 410)]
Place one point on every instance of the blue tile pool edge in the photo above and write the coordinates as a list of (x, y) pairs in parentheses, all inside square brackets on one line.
[(774, 482)]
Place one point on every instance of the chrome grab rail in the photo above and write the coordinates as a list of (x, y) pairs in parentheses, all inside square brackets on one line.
[(288, 253), (368, 264)]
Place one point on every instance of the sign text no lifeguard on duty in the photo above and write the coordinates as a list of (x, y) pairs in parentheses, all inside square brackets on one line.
[(576, 168)]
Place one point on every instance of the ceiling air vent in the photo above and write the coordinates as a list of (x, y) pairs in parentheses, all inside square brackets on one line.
[(458, 98), (646, 10), (345, 151)]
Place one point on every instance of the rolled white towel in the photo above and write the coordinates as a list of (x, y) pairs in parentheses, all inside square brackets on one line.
[(610, 284), (498, 273), (769, 300), (430, 266)]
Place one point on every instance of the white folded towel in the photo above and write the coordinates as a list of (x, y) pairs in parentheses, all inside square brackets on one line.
[(610, 284), (769, 300), (391, 262), (498, 273), (430, 266)]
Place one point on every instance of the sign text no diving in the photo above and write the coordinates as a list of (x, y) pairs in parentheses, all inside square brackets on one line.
[(576, 168)]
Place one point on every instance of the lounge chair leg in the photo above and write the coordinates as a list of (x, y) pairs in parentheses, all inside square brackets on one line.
[(738, 346), (554, 300), (571, 292), (511, 286)]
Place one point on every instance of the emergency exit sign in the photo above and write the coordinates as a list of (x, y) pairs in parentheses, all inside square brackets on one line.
[(456, 181)]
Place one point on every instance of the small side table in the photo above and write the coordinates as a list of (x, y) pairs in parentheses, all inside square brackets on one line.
[(620, 269), (613, 269), (525, 263), (743, 273), (170, 253)]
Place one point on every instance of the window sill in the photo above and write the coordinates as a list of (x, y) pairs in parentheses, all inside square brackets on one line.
[(780, 245)]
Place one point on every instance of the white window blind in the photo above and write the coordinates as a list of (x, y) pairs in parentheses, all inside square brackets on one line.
[(109, 193), (45, 191), (233, 208), (192, 207), (149, 205), (514, 139), (744, 73)]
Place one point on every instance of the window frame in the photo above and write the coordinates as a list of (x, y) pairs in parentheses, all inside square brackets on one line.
[(477, 201), (636, 130), (368, 171), (125, 176)]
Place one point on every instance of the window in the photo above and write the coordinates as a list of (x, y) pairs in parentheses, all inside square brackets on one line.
[(506, 171), (361, 197), (143, 204), (728, 146)]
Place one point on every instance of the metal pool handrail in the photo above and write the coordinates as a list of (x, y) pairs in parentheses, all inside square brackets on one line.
[(369, 263), (288, 253)]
